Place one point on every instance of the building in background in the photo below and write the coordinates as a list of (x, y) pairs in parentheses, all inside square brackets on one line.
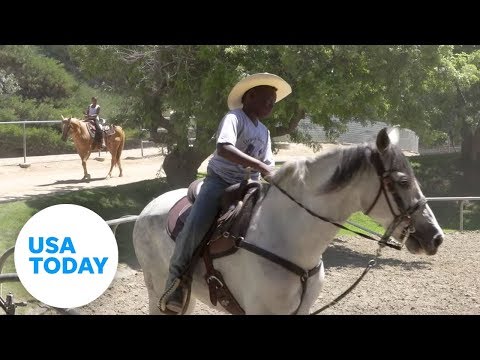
[(356, 134)]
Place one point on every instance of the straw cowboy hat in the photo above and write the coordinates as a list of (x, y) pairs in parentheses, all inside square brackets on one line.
[(235, 96)]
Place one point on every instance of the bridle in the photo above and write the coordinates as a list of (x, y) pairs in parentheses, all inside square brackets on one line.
[(387, 186), (65, 130)]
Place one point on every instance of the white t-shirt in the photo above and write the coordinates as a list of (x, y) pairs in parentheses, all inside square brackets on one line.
[(237, 129), (92, 111)]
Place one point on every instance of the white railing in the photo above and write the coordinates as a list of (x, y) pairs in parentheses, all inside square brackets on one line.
[(25, 133), (124, 219), (462, 200), (24, 122), (130, 218)]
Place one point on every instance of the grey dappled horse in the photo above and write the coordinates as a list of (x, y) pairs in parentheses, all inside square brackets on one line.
[(373, 178)]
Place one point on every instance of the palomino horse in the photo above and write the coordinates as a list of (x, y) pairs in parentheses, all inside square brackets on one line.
[(83, 141), (376, 179)]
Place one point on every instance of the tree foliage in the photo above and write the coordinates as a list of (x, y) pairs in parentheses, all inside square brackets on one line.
[(428, 88), (38, 76)]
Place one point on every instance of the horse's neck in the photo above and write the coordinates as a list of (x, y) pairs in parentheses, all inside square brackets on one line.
[(288, 230), (80, 132)]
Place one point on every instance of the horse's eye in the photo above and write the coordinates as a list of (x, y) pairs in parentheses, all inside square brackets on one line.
[(404, 182)]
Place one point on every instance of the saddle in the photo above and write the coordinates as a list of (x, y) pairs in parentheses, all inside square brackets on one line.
[(230, 226), (107, 129)]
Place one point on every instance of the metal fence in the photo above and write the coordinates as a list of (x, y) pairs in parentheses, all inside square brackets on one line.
[(130, 218), (24, 122), (461, 199)]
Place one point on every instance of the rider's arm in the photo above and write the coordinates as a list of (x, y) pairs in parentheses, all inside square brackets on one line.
[(227, 136), (230, 152)]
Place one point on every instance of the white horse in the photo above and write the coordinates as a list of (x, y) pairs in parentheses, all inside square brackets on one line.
[(377, 180)]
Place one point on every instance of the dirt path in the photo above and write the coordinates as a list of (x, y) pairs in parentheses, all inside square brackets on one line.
[(61, 173)]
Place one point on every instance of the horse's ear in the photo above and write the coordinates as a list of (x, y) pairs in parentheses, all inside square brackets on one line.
[(383, 141), (394, 135)]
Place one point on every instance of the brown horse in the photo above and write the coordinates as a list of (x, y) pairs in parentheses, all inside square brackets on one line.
[(84, 142)]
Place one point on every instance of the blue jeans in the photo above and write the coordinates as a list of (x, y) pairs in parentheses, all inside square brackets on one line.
[(202, 214)]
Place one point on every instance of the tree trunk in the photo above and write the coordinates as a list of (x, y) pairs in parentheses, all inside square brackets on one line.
[(181, 167), (467, 141), (476, 145), (471, 145), (471, 155)]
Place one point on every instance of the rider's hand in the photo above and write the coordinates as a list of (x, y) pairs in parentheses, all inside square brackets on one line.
[(267, 171)]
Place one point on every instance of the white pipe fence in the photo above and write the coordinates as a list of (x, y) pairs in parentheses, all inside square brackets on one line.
[(130, 218), (462, 200), (25, 132), (24, 122), (123, 220)]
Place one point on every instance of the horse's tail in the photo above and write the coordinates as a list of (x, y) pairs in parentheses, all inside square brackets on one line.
[(121, 134)]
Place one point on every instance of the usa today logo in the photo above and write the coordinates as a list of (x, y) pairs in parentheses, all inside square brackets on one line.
[(66, 256)]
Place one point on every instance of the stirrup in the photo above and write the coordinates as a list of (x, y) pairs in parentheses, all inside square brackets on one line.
[(172, 309)]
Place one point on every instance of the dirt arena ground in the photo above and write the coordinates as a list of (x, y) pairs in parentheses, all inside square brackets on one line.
[(401, 283)]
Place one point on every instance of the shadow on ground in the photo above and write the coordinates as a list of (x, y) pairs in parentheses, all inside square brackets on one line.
[(80, 181), (339, 255)]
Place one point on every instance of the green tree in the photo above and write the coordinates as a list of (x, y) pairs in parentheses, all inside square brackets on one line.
[(38, 76), (180, 88)]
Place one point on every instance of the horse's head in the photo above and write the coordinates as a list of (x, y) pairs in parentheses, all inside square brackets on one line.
[(65, 128), (402, 209)]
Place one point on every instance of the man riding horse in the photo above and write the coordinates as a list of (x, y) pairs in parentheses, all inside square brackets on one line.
[(93, 114)]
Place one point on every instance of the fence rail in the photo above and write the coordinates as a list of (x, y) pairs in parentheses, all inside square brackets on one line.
[(124, 219), (24, 122), (462, 199)]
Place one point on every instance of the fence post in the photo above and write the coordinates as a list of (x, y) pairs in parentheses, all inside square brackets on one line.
[(461, 214), (24, 144), (24, 165)]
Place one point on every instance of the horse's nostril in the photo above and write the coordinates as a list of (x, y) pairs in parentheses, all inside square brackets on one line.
[(438, 240)]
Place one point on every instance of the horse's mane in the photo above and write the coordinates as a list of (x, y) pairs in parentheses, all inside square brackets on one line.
[(357, 159), (75, 120), (352, 161)]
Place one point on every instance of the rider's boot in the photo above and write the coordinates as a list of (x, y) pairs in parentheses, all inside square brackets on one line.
[(173, 300)]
